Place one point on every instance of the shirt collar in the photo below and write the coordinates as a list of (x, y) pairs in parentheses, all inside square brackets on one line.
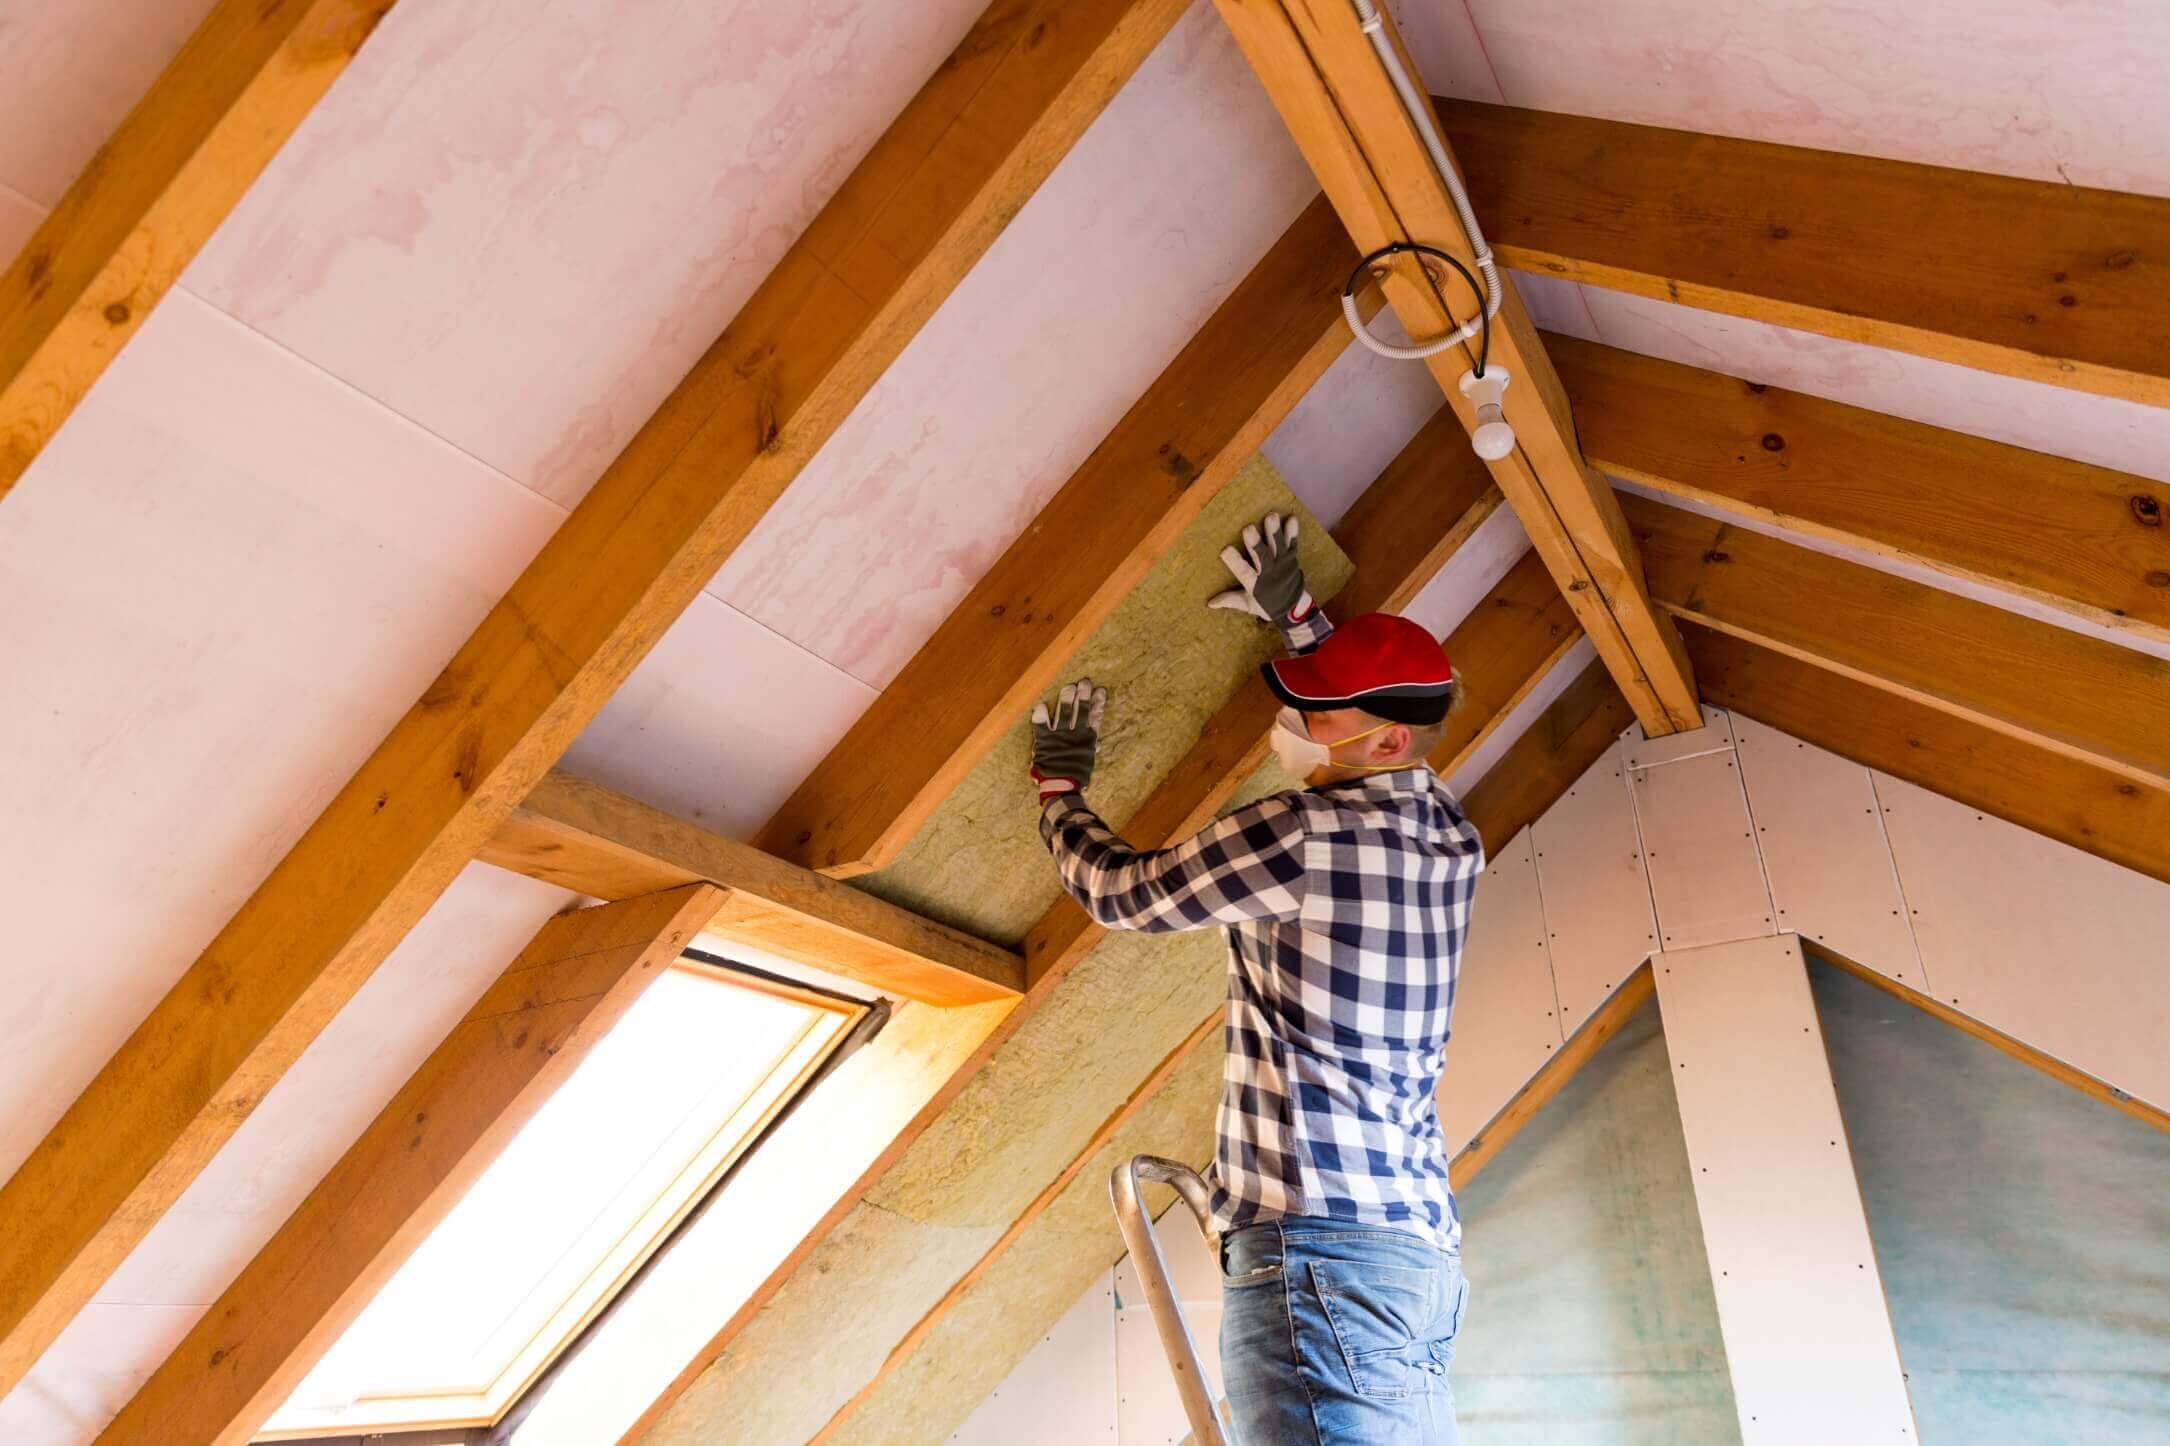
[(1416, 778)]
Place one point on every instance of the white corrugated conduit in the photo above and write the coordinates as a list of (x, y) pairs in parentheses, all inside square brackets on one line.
[(1492, 437)]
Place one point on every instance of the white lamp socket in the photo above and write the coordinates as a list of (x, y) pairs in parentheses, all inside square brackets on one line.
[(1493, 437)]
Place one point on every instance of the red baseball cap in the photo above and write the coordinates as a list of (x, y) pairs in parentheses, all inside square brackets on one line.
[(1386, 665)]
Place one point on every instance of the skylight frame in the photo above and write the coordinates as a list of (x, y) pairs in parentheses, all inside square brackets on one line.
[(829, 1025)]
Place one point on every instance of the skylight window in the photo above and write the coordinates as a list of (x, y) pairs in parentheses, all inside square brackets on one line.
[(587, 1189)]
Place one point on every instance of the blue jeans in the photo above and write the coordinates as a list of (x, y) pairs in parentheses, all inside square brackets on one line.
[(1334, 1332)]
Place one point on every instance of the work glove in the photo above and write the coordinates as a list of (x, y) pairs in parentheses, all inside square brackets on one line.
[(1063, 744), (1269, 576)]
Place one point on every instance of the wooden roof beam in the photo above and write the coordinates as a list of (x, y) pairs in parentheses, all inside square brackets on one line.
[(2089, 541), (893, 241), (2087, 806), (2042, 685), (1002, 646), (151, 197), (2051, 282), (1324, 78), (587, 838), (522, 1040)]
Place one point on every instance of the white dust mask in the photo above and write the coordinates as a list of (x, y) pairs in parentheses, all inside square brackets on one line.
[(1299, 753)]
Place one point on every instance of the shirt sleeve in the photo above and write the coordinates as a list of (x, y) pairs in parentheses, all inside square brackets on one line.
[(1246, 867), (1301, 635)]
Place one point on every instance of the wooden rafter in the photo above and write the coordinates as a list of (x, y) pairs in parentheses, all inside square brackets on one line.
[(455, 1115), (902, 230), (2089, 807), (1555, 750), (2044, 685), (584, 837), (1398, 534), (2053, 282), (151, 197), (1003, 645), (1324, 78), (2087, 540)]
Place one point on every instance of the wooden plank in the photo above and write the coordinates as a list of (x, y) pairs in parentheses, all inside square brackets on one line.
[(1548, 1081), (151, 197), (1324, 78), (928, 199), (2052, 282), (1791, 1263), (2043, 684), (1504, 648), (2090, 808), (1001, 648), (584, 837), (522, 1040), (2020, 1050), (1545, 761), (1399, 532), (2086, 540)]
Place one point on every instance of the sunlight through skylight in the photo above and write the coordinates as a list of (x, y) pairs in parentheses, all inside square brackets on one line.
[(654, 1115)]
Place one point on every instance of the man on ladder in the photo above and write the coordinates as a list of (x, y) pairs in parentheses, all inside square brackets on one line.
[(1346, 904)]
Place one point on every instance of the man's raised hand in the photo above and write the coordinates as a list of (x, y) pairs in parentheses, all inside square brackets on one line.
[(1269, 575), (1065, 742)]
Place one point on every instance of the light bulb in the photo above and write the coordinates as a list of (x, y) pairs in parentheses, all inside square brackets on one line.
[(1493, 435)]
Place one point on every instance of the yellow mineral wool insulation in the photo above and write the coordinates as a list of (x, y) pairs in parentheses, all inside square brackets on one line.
[(1168, 663)]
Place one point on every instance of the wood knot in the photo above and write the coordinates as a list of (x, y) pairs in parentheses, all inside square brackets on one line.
[(806, 836), (1757, 388), (2147, 510), (998, 610), (2068, 299), (1714, 555), (1780, 233), (1772, 442), (2158, 578), (2119, 260), (118, 313), (1580, 584)]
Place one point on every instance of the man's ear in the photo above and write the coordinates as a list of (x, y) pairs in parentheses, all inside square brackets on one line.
[(1394, 741)]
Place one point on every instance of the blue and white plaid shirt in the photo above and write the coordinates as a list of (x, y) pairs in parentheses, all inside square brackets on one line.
[(1346, 907)]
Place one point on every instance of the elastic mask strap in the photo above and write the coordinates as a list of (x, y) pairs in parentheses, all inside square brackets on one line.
[(1357, 738)]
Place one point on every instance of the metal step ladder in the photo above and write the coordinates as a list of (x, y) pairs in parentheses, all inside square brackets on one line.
[(1207, 1427)]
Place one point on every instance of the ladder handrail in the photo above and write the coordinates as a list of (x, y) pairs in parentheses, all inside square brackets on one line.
[(1206, 1425)]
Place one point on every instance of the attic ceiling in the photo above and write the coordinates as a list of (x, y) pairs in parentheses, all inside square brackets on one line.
[(489, 253)]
